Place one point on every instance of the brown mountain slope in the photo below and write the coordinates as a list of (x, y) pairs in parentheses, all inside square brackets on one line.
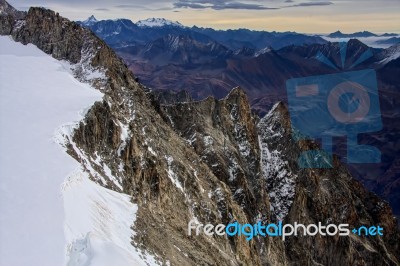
[(211, 161)]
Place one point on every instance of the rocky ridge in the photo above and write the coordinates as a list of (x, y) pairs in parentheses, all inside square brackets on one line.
[(210, 160)]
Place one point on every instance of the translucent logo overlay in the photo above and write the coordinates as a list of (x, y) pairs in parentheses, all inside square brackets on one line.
[(342, 104)]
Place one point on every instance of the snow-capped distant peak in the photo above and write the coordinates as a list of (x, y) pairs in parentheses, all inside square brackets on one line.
[(90, 21), (263, 51), (157, 22), (390, 54)]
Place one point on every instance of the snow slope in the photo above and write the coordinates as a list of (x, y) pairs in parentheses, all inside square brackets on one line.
[(98, 225), (390, 54), (38, 94)]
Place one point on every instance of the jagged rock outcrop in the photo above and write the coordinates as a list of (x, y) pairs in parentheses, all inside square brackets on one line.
[(126, 146), (323, 195), (211, 161), (294, 195), (9, 18), (224, 135), (171, 97)]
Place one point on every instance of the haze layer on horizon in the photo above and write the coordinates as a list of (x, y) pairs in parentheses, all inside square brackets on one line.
[(308, 16)]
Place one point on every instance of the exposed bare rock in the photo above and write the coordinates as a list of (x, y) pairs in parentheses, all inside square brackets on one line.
[(171, 97), (9, 18), (326, 196), (210, 161)]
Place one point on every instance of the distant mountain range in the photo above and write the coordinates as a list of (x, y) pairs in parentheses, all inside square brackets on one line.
[(390, 41), (166, 56), (375, 40), (124, 32), (121, 32), (148, 168), (360, 34)]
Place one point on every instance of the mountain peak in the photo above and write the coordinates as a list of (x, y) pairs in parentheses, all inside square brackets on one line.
[(158, 22), (339, 34), (235, 92), (3, 5), (90, 21), (7, 9)]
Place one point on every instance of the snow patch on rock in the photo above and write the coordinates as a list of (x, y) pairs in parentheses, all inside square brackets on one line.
[(281, 181), (172, 175)]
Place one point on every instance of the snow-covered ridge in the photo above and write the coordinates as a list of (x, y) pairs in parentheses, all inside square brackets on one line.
[(263, 51), (34, 101), (390, 54), (98, 225), (145, 23), (77, 220), (157, 22)]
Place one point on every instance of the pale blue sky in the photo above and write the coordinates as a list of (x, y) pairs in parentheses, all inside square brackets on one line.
[(312, 16)]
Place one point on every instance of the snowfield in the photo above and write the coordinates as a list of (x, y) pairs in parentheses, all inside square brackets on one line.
[(98, 225), (158, 22), (51, 213)]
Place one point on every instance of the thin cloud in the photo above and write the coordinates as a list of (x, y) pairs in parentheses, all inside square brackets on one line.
[(102, 9), (218, 5), (327, 3), (142, 7), (127, 6)]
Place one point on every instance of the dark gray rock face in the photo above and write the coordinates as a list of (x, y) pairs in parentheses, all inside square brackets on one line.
[(52, 34), (9, 18), (211, 161), (224, 135), (322, 195), (171, 97), (275, 185)]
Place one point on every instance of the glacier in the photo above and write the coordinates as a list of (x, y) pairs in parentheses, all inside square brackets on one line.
[(51, 212)]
